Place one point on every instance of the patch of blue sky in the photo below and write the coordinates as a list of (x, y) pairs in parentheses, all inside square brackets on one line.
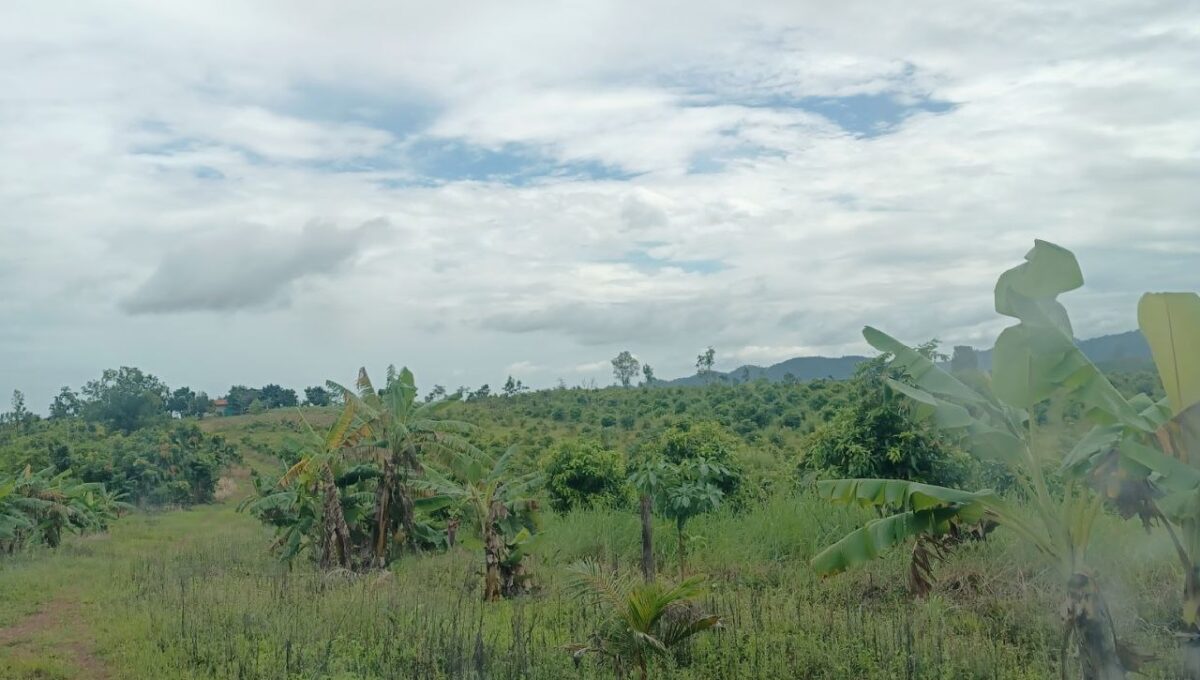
[(868, 115), (183, 144), (447, 160), (168, 147), (865, 115), (644, 261), (399, 113), (206, 172), (709, 162)]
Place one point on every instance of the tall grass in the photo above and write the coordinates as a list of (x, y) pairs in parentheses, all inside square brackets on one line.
[(194, 595)]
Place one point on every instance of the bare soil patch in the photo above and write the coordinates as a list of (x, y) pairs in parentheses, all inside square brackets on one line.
[(61, 618)]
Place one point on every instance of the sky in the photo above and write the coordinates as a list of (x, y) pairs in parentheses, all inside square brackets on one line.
[(252, 192)]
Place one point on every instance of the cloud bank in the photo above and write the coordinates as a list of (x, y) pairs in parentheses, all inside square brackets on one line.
[(569, 181)]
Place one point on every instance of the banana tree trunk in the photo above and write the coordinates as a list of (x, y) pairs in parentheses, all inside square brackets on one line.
[(647, 540), (514, 579), (1086, 616), (383, 497), (404, 499), (337, 532), (493, 552)]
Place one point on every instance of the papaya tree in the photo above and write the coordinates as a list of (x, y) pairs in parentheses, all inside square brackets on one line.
[(1036, 367), (500, 504), (678, 491), (645, 480)]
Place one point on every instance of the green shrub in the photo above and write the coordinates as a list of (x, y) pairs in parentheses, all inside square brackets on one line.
[(584, 474), (875, 436)]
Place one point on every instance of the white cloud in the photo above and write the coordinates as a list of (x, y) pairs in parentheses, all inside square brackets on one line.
[(141, 144), (523, 368)]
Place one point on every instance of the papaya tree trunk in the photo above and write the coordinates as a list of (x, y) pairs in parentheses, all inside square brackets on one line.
[(682, 551), (451, 532), (1086, 616), (493, 552), (647, 540)]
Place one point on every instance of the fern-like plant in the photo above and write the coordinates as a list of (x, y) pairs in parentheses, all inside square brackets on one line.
[(637, 621)]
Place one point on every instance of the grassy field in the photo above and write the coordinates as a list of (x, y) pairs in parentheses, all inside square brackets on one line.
[(194, 594)]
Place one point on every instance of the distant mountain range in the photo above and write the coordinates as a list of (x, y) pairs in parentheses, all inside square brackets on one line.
[(1118, 352)]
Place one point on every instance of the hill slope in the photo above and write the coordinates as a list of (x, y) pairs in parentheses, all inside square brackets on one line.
[(1126, 351)]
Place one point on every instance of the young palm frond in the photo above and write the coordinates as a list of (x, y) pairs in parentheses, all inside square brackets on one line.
[(639, 621)]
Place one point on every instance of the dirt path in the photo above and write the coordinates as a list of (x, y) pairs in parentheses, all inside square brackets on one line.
[(57, 627)]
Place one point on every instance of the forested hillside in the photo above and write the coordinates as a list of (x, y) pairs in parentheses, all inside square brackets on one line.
[(1120, 352)]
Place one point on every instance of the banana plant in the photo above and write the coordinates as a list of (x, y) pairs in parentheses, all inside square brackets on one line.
[(1150, 465), (294, 511), (637, 621), (501, 505), (42, 505), (1035, 363), (317, 472), (399, 432), (319, 501)]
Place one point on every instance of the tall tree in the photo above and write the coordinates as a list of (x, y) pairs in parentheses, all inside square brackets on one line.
[(200, 404), (181, 400), (316, 396), (275, 396), (625, 368), (125, 399), (648, 374), (705, 361), (512, 387), (66, 404), (240, 398), (964, 359), (20, 415)]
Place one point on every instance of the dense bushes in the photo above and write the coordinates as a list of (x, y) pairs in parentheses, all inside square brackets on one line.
[(875, 436), (174, 463), (584, 474)]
